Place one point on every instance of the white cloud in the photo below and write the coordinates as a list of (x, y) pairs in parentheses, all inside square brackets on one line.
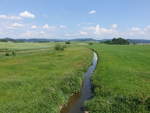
[(135, 29), (92, 12), (103, 31), (24, 14), (147, 27), (100, 31), (46, 26), (34, 27), (15, 25), (83, 33), (32, 34), (114, 26), (37, 34), (19, 29), (54, 28), (27, 14), (27, 34), (62, 26), (10, 17), (71, 35), (3, 16)]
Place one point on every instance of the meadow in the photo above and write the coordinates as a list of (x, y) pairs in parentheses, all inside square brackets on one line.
[(24, 46), (122, 79), (40, 81)]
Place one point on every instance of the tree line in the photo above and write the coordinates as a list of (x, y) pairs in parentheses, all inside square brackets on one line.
[(119, 41)]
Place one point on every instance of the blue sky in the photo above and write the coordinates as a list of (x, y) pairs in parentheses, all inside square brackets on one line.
[(99, 19)]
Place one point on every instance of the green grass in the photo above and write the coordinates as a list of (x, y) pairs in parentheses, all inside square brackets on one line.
[(41, 81), (19, 48), (122, 79), (23, 46)]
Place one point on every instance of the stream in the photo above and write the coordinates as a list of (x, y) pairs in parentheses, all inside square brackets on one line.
[(76, 102)]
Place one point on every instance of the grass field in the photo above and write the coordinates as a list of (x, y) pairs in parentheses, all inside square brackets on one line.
[(23, 46), (18, 48), (41, 81), (122, 79)]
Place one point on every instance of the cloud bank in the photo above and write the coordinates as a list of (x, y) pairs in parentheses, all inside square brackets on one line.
[(16, 26)]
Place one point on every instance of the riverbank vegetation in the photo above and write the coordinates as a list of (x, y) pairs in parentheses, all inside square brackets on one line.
[(40, 81), (122, 79)]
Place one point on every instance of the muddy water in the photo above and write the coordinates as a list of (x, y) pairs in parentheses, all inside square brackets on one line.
[(76, 102)]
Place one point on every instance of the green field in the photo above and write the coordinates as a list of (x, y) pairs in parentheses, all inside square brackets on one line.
[(122, 79), (23, 46), (40, 81)]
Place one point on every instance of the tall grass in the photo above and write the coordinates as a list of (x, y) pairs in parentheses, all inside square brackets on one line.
[(122, 79), (41, 82)]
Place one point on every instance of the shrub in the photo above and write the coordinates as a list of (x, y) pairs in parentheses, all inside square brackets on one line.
[(13, 53), (59, 47), (64, 46), (90, 43), (7, 54), (71, 84), (68, 42)]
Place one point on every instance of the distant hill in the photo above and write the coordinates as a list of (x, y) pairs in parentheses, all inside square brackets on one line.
[(44, 40), (29, 40), (39, 40), (7, 40), (131, 40), (62, 40), (56, 40), (138, 41), (83, 39)]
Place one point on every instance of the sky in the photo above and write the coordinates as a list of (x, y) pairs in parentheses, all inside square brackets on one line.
[(69, 19)]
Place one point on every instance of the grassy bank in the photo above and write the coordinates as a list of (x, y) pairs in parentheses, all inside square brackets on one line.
[(122, 79), (41, 81)]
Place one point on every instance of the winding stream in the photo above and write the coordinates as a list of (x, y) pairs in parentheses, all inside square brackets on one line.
[(76, 102)]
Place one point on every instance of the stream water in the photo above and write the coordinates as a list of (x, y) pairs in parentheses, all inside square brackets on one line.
[(76, 102)]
